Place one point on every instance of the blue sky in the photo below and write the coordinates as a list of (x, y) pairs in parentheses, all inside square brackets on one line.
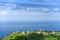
[(46, 2), (23, 15)]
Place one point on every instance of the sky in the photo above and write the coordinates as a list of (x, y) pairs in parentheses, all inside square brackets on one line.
[(6, 14), (46, 2)]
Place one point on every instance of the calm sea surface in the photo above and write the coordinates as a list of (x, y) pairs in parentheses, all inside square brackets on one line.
[(6, 28)]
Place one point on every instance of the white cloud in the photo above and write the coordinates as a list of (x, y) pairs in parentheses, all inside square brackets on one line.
[(56, 9), (8, 14), (3, 12)]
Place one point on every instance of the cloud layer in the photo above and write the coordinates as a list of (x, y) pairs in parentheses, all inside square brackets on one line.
[(13, 12)]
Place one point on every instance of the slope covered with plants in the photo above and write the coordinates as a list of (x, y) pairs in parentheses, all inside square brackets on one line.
[(33, 35)]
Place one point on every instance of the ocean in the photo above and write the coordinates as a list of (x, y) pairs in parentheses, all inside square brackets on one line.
[(6, 28)]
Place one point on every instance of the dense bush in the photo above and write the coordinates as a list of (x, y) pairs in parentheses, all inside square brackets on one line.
[(34, 36), (31, 36)]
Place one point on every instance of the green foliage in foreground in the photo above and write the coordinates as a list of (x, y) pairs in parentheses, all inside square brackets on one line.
[(31, 36)]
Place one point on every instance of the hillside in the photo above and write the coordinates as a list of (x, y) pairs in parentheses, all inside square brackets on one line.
[(33, 35)]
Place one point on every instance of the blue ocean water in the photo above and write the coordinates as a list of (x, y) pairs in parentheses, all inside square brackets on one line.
[(6, 28)]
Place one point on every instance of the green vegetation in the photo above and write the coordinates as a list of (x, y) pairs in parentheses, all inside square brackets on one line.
[(33, 35)]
